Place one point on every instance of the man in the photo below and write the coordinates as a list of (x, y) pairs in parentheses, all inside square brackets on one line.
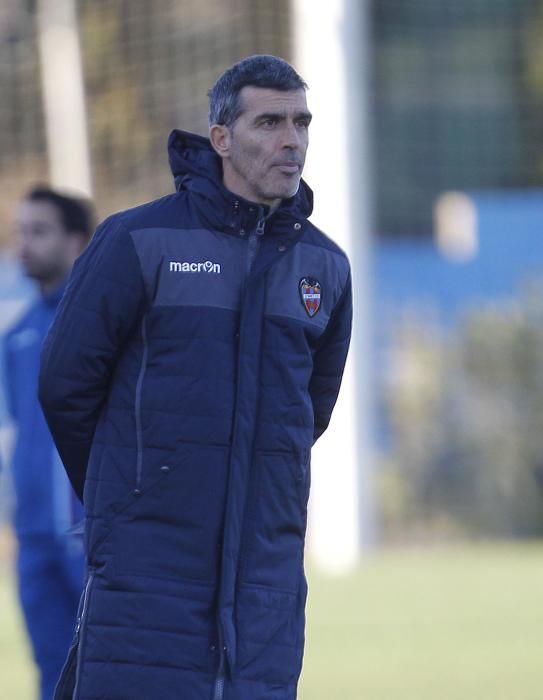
[(196, 356), (52, 230)]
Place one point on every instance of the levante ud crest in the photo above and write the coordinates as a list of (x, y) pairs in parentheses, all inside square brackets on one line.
[(310, 294)]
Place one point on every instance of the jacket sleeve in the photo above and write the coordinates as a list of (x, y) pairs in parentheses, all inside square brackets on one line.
[(101, 307), (329, 361)]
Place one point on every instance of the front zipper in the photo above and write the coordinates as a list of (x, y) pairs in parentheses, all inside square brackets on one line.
[(80, 632), (220, 678), (254, 240), (137, 406), (219, 685), (253, 243)]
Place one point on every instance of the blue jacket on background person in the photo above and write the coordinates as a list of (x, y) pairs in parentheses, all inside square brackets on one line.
[(51, 230), (196, 357), (44, 500), (50, 561)]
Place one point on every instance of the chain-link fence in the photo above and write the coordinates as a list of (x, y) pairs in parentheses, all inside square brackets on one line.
[(147, 68)]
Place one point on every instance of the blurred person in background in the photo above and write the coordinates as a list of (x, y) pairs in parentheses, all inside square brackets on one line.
[(52, 230), (196, 357)]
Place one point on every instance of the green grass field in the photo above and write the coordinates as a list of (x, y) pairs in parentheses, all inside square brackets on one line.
[(455, 623)]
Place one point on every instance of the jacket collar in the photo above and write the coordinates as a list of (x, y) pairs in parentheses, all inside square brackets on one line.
[(197, 169)]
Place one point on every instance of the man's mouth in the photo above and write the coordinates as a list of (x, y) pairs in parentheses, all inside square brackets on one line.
[(289, 167)]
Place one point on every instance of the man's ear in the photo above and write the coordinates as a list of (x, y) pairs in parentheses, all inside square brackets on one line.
[(221, 139)]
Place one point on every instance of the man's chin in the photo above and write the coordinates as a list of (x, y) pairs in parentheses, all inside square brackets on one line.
[(285, 192), (35, 275), (30, 272), (292, 193)]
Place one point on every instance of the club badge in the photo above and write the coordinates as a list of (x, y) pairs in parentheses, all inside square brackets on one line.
[(310, 294)]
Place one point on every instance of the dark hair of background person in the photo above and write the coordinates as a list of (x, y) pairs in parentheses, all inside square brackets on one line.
[(256, 71), (77, 214)]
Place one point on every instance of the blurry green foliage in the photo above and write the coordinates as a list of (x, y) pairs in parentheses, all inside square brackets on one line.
[(466, 418)]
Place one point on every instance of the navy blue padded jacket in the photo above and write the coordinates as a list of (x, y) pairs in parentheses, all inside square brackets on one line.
[(196, 356)]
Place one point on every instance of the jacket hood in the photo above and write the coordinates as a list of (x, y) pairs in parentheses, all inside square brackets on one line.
[(197, 168)]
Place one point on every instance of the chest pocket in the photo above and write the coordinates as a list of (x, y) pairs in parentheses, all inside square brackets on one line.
[(305, 285)]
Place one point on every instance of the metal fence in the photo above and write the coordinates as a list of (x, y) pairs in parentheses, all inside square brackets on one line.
[(147, 67)]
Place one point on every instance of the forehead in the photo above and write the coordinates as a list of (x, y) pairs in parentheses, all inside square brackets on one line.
[(256, 100), (38, 211)]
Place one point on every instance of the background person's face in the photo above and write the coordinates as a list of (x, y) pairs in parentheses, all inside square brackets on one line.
[(267, 145), (44, 247)]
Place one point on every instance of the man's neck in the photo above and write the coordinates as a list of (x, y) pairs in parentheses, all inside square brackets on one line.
[(271, 204)]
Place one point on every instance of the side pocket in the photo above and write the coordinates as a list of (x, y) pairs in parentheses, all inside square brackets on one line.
[(174, 530)]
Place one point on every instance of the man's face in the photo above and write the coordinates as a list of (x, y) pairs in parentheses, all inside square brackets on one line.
[(44, 247), (264, 150)]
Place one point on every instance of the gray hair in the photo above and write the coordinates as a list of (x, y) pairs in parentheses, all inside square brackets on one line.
[(257, 71)]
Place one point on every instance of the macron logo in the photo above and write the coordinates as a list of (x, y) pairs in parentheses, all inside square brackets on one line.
[(206, 266)]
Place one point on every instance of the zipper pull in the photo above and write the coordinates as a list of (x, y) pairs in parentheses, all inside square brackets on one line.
[(260, 227)]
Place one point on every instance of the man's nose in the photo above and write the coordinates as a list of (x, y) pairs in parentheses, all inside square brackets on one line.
[(291, 136), (23, 244)]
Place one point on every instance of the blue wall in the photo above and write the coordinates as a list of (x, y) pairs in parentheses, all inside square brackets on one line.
[(510, 251)]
